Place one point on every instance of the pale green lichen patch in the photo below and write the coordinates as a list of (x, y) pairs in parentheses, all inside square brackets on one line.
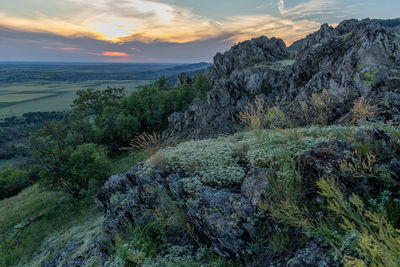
[(222, 162)]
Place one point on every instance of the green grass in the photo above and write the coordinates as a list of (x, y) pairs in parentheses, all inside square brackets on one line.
[(72, 220), (29, 204)]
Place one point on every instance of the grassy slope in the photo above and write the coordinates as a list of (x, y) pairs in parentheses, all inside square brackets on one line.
[(51, 230), (72, 220)]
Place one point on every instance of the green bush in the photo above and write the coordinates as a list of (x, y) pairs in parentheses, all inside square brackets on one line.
[(117, 117), (65, 161), (12, 181)]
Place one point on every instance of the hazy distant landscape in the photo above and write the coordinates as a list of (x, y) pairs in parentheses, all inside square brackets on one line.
[(36, 87)]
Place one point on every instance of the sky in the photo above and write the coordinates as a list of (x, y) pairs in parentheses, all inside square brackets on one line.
[(179, 31)]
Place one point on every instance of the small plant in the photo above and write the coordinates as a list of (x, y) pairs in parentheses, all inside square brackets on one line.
[(12, 181), (140, 242), (253, 114), (275, 118), (378, 240), (150, 142), (361, 111), (316, 112)]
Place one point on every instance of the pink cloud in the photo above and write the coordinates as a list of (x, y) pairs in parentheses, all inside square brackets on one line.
[(112, 54)]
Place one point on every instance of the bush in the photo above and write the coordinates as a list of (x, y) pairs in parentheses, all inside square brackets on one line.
[(253, 114), (361, 111), (65, 160), (12, 181), (87, 162)]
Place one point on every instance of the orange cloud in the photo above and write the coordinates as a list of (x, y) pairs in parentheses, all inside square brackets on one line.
[(112, 54)]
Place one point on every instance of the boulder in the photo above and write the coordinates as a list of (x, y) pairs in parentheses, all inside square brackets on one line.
[(322, 161), (255, 185), (226, 219), (312, 256)]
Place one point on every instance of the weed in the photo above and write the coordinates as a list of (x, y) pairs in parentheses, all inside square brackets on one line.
[(361, 111)]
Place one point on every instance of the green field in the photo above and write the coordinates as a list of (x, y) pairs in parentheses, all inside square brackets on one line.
[(19, 98)]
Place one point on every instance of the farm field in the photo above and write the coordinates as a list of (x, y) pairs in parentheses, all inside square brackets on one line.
[(19, 98)]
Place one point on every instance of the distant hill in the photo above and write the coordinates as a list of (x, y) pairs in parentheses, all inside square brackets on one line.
[(173, 72)]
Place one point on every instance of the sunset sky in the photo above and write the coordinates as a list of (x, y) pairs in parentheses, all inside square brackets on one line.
[(164, 30)]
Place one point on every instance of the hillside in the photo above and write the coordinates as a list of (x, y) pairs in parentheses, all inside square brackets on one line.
[(283, 156)]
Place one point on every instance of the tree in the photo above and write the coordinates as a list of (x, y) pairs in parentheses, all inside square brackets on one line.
[(201, 85), (65, 160), (94, 101), (12, 181)]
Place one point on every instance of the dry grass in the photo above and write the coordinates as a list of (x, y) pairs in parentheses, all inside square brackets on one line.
[(151, 142), (362, 110), (254, 114)]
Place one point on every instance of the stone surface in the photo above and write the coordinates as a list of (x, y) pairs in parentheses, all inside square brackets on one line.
[(255, 185), (322, 161), (225, 219)]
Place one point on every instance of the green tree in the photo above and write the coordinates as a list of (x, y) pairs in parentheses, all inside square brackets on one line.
[(201, 85), (64, 158), (12, 181), (94, 101)]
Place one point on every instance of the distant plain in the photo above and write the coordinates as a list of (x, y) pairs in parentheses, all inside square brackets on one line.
[(34, 87), (19, 98)]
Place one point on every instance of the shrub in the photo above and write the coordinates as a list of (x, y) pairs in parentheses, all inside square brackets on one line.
[(253, 114), (361, 111), (12, 181), (317, 112), (377, 239), (208, 162), (64, 161), (150, 142), (275, 118)]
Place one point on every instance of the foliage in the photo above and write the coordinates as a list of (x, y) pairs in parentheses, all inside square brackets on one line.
[(208, 162), (150, 143), (275, 118), (377, 239), (316, 110), (65, 160), (96, 100), (362, 110), (113, 128), (253, 114), (12, 181), (201, 86)]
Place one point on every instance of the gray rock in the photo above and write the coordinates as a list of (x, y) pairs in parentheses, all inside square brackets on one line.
[(224, 218), (312, 256), (322, 161), (255, 185)]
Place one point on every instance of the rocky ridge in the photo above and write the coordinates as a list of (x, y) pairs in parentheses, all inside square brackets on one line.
[(355, 59)]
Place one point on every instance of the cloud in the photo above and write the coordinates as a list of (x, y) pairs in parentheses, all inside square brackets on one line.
[(112, 54), (281, 7), (122, 21)]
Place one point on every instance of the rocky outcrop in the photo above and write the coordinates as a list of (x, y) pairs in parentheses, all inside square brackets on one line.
[(355, 59), (355, 171), (223, 218)]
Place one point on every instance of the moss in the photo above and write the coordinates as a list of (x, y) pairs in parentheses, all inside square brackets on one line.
[(348, 36), (371, 75)]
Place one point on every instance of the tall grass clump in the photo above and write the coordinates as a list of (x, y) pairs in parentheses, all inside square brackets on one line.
[(316, 110), (361, 110), (253, 114)]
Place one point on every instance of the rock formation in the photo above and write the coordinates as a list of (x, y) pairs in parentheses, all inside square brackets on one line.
[(355, 59)]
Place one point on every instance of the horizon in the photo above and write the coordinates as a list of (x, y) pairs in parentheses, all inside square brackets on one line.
[(162, 31)]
